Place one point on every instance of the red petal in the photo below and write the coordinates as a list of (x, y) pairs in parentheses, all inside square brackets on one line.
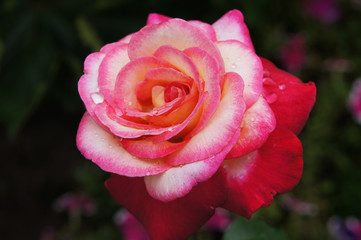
[(172, 220), (254, 179), (290, 99)]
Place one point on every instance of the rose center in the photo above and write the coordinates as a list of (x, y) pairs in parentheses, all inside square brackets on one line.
[(162, 95)]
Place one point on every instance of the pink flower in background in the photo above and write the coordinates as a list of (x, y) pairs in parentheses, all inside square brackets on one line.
[(220, 221), (188, 118), (129, 226), (299, 206), (75, 204), (354, 101), (293, 53), (326, 11)]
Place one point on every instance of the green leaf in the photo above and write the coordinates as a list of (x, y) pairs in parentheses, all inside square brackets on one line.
[(88, 34), (243, 229), (26, 77)]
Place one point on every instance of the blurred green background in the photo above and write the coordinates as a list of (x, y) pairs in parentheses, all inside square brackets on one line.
[(42, 48)]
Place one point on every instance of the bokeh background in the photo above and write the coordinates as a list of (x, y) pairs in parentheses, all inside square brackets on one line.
[(48, 190)]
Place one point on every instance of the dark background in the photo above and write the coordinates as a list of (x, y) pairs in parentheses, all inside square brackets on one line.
[(42, 48)]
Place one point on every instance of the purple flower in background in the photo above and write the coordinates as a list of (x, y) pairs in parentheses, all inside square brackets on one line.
[(75, 204), (129, 226), (299, 206), (326, 11), (355, 100), (293, 53), (349, 229), (220, 221)]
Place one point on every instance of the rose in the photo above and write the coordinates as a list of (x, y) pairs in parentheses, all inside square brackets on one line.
[(188, 118)]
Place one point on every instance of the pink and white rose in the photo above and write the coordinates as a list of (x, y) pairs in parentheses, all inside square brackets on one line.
[(187, 118)]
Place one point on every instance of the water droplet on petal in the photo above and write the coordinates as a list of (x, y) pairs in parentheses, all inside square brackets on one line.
[(252, 119), (147, 174), (269, 82), (266, 73), (282, 86), (97, 97), (271, 98), (233, 65)]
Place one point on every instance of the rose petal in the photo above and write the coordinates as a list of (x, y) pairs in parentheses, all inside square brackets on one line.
[(176, 129), (175, 32), (258, 122), (129, 76), (179, 181), (174, 220), (180, 61), (111, 65), (88, 84), (220, 128), (208, 70), (119, 126), (155, 18), (106, 151), (241, 59), (231, 26), (205, 28), (255, 178), (290, 99), (161, 77), (148, 149)]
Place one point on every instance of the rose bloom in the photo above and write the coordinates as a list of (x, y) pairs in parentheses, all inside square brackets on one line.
[(188, 118)]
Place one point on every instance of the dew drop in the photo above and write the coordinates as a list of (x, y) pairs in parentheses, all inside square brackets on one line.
[(97, 97), (271, 98), (252, 119), (269, 82), (282, 86), (266, 73), (147, 174), (233, 65)]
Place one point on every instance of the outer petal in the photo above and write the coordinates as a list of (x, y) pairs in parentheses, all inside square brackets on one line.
[(179, 181), (258, 122), (175, 32), (241, 59), (220, 128), (111, 65), (254, 179), (155, 18), (290, 99), (174, 220), (205, 28), (88, 84), (106, 151), (232, 27)]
